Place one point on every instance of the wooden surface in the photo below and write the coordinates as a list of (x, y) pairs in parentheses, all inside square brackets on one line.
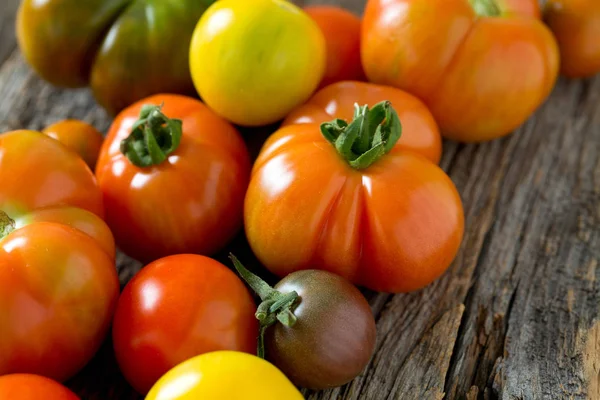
[(515, 317)]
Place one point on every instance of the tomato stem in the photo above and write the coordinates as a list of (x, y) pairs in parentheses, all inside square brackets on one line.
[(7, 224), (485, 8), (153, 137), (369, 136), (275, 306)]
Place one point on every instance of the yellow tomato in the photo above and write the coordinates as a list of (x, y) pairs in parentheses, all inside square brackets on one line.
[(227, 375), (254, 61)]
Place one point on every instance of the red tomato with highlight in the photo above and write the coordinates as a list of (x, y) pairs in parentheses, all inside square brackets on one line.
[(186, 194), (176, 308), (341, 30), (78, 136), (33, 387)]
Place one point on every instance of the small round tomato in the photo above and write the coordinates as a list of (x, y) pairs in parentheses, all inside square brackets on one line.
[(33, 387), (174, 179), (253, 62), (224, 375), (576, 26), (341, 29), (420, 132), (78, 136), (176, 308), (337, 198)]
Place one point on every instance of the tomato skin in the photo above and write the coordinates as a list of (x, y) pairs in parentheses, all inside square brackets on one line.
[(576, 25), (176, 308), (266, 57), (224, 375), (481, 77), (33, 387), (420, 132), (192, 202), (125, 50), (341, 29), (78, 136), (393, 227)]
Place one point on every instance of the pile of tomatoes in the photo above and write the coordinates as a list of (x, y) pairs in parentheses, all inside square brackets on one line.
[(347, 191)]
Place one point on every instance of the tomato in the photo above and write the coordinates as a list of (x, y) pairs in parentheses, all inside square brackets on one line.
[(482, 66), (309, 310), (341, 30), (420, 132), (388, 220), (124, 49), (58, 282), (265, 58), (33, 387), (184, 193), (576, 25), (224, 375), (78, 136), (176, 308)]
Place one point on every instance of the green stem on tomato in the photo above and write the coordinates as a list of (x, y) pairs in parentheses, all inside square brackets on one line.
[(153, 137), (485, 8), (275, 306), (7, 224), (369, 136)]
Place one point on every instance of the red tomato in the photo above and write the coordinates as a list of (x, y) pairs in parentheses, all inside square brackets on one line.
[(420, 133), (341, 29), (576, 25), (176, 308), (390, 220), (78, 136), (33, 387), (58, 282), (482, 66), (185, 196)]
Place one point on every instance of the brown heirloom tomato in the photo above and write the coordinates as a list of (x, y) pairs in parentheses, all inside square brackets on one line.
[(58, 282), (420, 133), (176, 185), (482, 66), (576, 25), (124, 49), (343, 199)]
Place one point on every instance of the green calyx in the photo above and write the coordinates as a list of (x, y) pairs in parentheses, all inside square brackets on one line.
[(368, 137), (275, 306), (7, 224), (485, 8), (153, 137)]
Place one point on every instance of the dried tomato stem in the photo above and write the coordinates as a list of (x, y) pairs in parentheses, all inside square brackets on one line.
[(7, 224), (485, 8)]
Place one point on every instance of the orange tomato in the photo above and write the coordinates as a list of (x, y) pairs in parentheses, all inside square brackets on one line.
[(33, 387), (482, 66), (420, 132), (174, 182), (576, 25), (388, 220), (341, 30), (78, 136)]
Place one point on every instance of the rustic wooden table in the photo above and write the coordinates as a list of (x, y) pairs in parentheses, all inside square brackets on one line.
[(515, 317)]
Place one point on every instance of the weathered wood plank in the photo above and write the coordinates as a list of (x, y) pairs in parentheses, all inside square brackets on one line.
[(8, 9)]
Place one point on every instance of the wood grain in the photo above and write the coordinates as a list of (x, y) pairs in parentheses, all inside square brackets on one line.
[(515, 317)]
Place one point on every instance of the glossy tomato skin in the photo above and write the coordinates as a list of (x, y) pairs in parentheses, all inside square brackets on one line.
[(192, 202), (481, 76), (334, 336), (341, 30), (576, 25), (227, 375), (33, 387), (78, 136), (58, 282), (176, 308), (393, 227), (420, 132), (266, 57), (126, 50)]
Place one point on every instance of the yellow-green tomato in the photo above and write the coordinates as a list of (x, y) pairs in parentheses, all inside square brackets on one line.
[(254, 61), (227, 375)]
